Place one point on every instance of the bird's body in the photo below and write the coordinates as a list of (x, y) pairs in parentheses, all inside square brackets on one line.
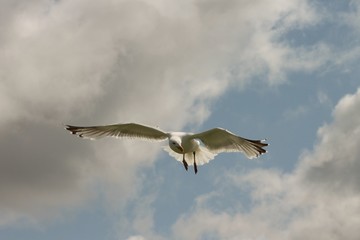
[(184, 147), (188, 144)]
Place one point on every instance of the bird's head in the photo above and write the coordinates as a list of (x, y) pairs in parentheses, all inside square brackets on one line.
[(175, 145)]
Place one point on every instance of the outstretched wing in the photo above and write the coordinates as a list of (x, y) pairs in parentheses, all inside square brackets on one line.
[(220, 140), (130, 130)]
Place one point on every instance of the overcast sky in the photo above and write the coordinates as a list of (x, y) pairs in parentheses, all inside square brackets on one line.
[(287, 71)]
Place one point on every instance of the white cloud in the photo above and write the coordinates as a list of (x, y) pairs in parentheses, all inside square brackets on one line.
[(89, 62), (318, 200), (137, 237)]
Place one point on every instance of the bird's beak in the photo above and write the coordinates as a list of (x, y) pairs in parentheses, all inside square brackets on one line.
[(181, 149)]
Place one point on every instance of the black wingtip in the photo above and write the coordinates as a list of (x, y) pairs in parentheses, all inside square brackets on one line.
[(71, 129)]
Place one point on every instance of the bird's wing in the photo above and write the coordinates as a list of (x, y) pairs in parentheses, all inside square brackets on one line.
[(220, 140), (130, 130)]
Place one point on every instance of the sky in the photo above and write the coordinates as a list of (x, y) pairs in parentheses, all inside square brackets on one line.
[(286, 71)]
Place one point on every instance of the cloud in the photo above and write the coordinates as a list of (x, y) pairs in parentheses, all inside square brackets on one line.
[(69, 62), (137, 237), (98, 62), (33, 177), (319, 199)]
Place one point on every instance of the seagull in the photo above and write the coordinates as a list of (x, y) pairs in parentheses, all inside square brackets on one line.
[(188, 148)]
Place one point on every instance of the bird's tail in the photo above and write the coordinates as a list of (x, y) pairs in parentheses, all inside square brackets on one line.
[(202, 155)]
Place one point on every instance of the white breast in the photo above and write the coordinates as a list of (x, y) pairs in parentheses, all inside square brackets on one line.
[(189, 144)]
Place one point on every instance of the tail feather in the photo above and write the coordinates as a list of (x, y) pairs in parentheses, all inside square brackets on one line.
[(202, 155)]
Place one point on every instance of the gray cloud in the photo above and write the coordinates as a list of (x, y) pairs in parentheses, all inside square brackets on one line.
[(337, 154), (40, 171), (89, 62)]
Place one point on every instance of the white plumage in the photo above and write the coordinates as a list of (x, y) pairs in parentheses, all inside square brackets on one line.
[(188, 148)]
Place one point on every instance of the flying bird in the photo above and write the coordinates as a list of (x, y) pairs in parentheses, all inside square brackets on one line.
[(188, 148)]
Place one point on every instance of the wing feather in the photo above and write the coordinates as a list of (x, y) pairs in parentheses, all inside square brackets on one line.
[(221, 140), (129, 130)]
